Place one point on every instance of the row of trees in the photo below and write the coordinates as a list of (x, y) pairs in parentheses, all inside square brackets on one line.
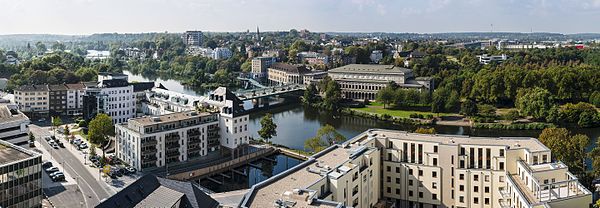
[(393, 94)]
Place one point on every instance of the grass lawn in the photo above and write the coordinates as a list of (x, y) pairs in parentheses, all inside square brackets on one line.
[(378, 109)]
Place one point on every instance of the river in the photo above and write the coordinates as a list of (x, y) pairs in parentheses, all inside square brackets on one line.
[(296, 123)]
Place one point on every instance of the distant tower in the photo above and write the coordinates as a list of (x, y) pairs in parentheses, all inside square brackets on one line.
[(257, 34)]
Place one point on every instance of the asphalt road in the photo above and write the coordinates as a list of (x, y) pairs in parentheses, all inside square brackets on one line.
[(91, 187)]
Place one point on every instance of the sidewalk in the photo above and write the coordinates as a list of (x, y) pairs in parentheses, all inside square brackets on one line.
[(112, 186)]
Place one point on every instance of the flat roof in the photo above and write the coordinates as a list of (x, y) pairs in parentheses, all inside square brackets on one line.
[(12, 153), (301, 178), (149, 120), (370, 68), (532, 144), (7, 114)]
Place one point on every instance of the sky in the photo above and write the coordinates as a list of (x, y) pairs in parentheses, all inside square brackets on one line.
[(80, 17)]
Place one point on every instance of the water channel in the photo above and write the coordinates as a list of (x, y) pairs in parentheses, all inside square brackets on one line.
[(296, 123)]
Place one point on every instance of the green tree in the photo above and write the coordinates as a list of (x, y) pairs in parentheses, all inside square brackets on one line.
[(468, 108), (386, 96), (566, 148), (326, 136), (40, 47), (92, 150), (100, 128), (56, 122), (310, 94), (67, 132), (268, 127), (422, 130), (486, 110), (247, 66), (595, 99), (31, 137), (333, 96), (534, 102), (512, 115)]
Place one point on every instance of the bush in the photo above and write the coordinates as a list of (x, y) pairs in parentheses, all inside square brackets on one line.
[(512, 115), (82, 123)]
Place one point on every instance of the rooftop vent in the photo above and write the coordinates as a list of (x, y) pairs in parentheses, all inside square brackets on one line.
[(156, 119)]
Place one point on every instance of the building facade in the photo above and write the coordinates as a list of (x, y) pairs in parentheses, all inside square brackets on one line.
[(156, 141), (193, 38), (221, 53), (260, 66), (487, 59), (14, 125), (418, 170), (20, 177), (58, 99), (363, 81), (33, 100), (282, 74), (75, 94)]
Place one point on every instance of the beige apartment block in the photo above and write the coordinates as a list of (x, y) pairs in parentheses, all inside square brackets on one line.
[(388, 168)]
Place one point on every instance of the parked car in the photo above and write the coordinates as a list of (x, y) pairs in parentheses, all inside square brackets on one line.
[(58, 178), (60, 144), (56, 173), (48, 138), (55, 146), (82, 146), (76, 141), (41, 119), (31, 144), (51, 169), (112, 175), (130, 169), (47, 164)]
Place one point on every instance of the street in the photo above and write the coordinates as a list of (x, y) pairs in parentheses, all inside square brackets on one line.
[(93, 189)]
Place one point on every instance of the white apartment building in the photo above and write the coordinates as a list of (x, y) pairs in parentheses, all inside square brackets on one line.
[(233, 120), (420, 170), (13, 125), (151, 142), (376, 56), (118, 100), (75, 94), (221, 53), (33, 99), (260, 66)]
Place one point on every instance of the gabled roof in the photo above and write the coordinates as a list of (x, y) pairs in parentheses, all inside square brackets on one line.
[(297, 69), (152, 191), (142, 86)]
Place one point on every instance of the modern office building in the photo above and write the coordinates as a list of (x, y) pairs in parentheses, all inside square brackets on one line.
[(260, 66), (363, 81), (193, 38), (403, 169), (20, 176), (282, 74), (487, 59), (13, 125), (58, 99), (33, 100), (113, 96), (151, 142)]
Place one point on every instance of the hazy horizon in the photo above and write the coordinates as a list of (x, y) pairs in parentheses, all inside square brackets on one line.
[(86, 17)]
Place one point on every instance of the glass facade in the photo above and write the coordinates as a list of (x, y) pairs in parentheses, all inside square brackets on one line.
[(21, 183)]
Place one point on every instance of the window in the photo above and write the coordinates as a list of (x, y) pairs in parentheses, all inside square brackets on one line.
[(410, 171), (461, 176), (544, 158), (420, 194), (433, 196), (434, 185), (501, 179), (476, 189), (487, 178), (435, 149), (501, 152), (420, 172), (476, 200), (461, 199), (389, 169), (389, 190), (397, 180), (410, 182), (434, 161), (461, 188), (487, 189), (501, 166), (475, 177), (486, 201), (410, 193), (397, 191), (433, 174), (397, 169), (389, 179)]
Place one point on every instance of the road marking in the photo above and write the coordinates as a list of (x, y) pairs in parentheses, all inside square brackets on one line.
[(86, 183)]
